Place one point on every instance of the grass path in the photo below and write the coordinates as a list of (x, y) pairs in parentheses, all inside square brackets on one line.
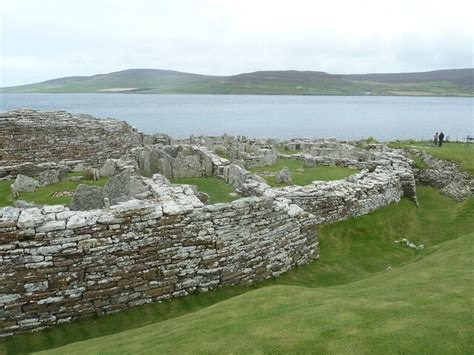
[(352, 252)]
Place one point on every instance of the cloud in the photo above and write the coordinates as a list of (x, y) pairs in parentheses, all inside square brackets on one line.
[(53, 38)]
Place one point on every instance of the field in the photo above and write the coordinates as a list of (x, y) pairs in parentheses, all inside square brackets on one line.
[(324, 173), (217, 189), (43, 195)]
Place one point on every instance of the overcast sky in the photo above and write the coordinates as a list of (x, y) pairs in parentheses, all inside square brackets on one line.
[(45, 39)]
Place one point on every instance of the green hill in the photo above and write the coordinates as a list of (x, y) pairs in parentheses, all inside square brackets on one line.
[(455, 82)]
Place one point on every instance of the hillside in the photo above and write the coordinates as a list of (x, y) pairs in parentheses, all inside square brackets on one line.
[(455, 82)]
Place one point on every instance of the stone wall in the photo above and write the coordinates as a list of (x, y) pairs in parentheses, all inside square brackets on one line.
[(173, 161), (32, 141), (58, 265), (444, 175), (339, 200)]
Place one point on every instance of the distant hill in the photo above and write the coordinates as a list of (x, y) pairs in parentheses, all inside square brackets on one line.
[(451, 82)]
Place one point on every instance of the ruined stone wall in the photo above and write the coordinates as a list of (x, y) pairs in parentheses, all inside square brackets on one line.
[(32, 140), (58, 265), (354, 196), (444, 175)]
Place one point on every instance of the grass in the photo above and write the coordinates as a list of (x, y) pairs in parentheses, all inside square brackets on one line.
[(325, 173), (460, 153), (366, 294), (419, 308), (217, 189), (43, 195)]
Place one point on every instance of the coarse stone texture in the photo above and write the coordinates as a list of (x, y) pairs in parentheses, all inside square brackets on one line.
[(119, 188), (24, 183), (283, 177), (176, 161), (87, 197), (444, 175), (32, 141), (52, 176), (59, 265)]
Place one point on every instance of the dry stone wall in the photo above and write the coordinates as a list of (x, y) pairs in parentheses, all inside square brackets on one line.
[(444, 175), (32, 141), (58, 265)]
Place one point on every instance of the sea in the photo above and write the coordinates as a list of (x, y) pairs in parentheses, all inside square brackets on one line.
[(270, 116)]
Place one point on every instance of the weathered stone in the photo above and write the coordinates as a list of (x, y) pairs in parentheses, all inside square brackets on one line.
[(283, 177), (24, 183), (87, 197), (49, 177)]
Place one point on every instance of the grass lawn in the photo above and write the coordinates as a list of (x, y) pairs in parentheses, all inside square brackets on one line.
[(43, 195), (367, 294), (217, 189), (325, 173), (460, 153)]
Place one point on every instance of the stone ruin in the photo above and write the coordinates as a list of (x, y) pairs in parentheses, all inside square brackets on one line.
[(141, 239)]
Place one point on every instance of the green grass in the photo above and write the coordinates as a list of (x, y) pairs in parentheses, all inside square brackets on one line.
[(347, 302), (43, 195), (217, 189), (420, 308), (325, 173), (460, 153)]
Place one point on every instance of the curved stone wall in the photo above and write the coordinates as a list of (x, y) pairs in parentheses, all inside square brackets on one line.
[(57, 265), (32, 140)]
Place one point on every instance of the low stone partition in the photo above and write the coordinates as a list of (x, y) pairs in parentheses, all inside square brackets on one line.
[(339, 200), (58, 265), (444, 175)]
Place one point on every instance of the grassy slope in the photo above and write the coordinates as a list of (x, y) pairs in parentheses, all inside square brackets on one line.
[(325, 173), (217, 189), (460, 153), (277, 82), (351, 250), (42, 195), (422, 307)]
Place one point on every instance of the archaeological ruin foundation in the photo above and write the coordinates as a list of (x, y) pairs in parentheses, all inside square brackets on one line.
[(140, 238)]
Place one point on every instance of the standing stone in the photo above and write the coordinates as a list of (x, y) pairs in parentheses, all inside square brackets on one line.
[(49, 177), (87, 198), (284, 177), (24, 183)]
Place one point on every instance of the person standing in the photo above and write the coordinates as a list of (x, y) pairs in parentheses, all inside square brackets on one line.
[(440, 138), (435, 138)]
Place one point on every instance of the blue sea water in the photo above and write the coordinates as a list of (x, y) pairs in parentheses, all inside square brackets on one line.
[(343, 117)]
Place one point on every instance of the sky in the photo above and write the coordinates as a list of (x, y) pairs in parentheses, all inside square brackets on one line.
[(46, 39)]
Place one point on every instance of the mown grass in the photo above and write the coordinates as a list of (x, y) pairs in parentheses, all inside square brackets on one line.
[(460, 153), (396, 307), (217, 189), (420, 308), (43, 195), (324, 173)]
